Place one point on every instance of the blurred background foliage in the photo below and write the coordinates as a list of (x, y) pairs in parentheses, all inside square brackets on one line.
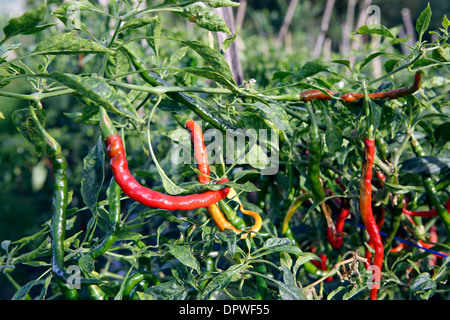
[(25, 177)]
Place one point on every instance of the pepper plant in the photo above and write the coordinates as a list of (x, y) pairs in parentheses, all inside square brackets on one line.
[(356, 205)]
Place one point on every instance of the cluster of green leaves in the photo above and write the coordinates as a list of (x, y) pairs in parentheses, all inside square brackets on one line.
[(191, 258)]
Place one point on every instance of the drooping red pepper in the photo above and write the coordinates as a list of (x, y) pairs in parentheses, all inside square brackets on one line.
[(336, 241), (425, 213), (201, 158), (352, 97), (139, 193), (366, 212)]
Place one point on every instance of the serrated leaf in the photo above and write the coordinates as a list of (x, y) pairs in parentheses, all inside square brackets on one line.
[(426, 165), (204, 17), (93, 175), (183, 255), (99, 92), (24, 23), (375, 29), (68, 43), (423, 21)]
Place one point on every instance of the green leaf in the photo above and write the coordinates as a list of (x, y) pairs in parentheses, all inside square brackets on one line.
[(367, 60), (311, 68), (183, 255), (426, 165), (74, 6), (391, 64), (375, 113), (153, 33), (400, 189), (221, 3), (177, 56), (217, 284), (280, 245), (290, 290), (25, 23), (345, 63), (333, 138), (23, 122), (209, 73), (138, 23), (423, 21), (375, 29), (423, 286), (445, 22), (93, 175), (86, 263), (442, 133), (204, 17), (68, 43), (23, 291), (97, 91), (213, 57), (169, 290), (117, 64), (229, 41)]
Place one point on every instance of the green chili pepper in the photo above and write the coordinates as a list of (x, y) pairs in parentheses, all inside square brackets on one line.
[(315, 149), (96, 293), (231, 215), (133, 280), (59, 204), (430, 189), (114, 220)]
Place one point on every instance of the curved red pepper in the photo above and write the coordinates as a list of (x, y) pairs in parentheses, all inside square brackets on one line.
[(352, 97), (137, 192), (365, 205)]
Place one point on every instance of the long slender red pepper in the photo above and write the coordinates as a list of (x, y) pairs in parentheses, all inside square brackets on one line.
[(201, 158), (136, 191), (336, 241), (425, 213), (366, 211), (352, 97)]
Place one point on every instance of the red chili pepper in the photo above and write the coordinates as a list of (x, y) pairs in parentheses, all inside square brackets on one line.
[(136, 191), (352, 97), (200, 152), (425, 213), (201, 158), (337, 241), (366, 210), (322, 265)]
